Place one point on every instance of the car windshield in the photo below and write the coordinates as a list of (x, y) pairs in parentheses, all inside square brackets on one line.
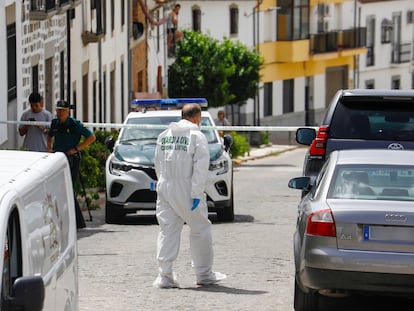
[(373, 182), (374, 120), (135, 134)]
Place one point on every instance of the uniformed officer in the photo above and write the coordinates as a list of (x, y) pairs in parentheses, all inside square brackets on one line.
[(65, 136)]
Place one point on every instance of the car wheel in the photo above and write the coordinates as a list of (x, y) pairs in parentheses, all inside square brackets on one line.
[(305, 301), (227, 213), (114, 213)]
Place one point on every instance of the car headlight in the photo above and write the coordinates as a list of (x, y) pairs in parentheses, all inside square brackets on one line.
[(118, 168), (220, 166)]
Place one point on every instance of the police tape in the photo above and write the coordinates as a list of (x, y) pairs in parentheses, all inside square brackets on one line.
[(230, 128)]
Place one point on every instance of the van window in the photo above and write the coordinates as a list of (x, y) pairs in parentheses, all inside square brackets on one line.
[(12, 267)]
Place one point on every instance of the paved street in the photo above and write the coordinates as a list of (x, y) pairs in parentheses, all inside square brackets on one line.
[(117, 262)]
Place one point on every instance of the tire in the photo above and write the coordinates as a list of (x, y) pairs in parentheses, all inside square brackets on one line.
[(305, 301), (227, 213), (114, 213)]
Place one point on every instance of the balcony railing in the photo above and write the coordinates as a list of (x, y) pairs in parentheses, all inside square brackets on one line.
[(44, 9), (354, 38), (401, 53), (324, 42), (42, 5), (334, 41)]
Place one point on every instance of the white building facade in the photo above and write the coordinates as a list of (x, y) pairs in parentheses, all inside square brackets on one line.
[(64, 49), (35, 37), (389, 62), (80, 51), (309, 56)]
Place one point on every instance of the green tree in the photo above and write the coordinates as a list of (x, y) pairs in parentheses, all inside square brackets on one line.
[(246, 74), (197, 71), (223, 72)]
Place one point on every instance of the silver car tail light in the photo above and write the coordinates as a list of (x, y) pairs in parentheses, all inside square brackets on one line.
[(321, 223)]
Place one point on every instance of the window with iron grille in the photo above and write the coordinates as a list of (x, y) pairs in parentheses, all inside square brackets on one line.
[(196, 12), (234, 21), (11, 62)]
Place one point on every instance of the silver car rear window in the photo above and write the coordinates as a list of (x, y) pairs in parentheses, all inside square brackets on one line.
[(373, 182)]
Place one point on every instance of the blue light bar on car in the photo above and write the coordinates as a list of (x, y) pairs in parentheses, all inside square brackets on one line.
[(165, 103)]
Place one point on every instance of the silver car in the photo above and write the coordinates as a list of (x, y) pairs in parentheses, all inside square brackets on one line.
[(355, 228)]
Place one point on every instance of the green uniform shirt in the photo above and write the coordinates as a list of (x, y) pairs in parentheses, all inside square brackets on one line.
[(68, 134)]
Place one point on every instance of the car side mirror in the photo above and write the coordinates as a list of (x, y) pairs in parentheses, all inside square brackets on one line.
[(305, 136), (28, 294), (301, 183), (228, 142), (110, 143)]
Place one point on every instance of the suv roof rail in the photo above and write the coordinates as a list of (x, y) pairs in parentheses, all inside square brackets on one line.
[(166, 103)]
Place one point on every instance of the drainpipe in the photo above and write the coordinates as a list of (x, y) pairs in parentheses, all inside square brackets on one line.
[(254, 46), (129, 62), (355, 56), (258, 52), (99, 31), (68, 49), (165, 53), (256, 41)]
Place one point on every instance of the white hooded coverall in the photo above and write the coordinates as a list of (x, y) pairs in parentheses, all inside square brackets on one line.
[(181, 163)]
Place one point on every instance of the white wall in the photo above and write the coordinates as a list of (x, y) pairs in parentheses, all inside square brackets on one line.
[(3, 76), (215, 18), (383, 70), (87, 58)]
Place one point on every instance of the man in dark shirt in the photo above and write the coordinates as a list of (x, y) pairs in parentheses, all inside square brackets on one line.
[(65, 136)]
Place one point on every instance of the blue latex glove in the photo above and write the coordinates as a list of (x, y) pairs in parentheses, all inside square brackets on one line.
[(195, 204)]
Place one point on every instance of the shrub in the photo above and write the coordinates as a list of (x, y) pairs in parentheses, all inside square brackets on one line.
[(265, 137), (240, 145), (93, 166)]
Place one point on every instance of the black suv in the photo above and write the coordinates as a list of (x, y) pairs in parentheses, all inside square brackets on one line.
[(360, 119)]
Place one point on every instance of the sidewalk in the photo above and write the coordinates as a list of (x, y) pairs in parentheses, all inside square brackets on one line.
[(263, 151)]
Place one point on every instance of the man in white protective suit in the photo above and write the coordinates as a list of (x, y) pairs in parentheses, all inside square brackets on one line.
[(181, 163)]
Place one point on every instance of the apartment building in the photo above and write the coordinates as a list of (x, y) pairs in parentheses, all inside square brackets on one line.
[(98, 54), (76, 50), (100, 60), (34, 34), (389, 61), (148, 43), (310, 49), (312, 55), (219, 19)]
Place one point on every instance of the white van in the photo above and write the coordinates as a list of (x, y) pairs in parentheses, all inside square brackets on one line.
[(38, 227)]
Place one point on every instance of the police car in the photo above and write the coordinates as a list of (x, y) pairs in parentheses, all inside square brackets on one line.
[(130, 173)]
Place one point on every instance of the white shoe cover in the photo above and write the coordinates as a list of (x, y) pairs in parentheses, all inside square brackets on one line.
[(213, 278), (165, 282)]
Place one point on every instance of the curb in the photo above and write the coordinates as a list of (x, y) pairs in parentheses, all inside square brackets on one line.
[(272, 151)]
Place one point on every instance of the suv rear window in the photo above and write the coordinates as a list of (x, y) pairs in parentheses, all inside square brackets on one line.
[(375, 120)]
